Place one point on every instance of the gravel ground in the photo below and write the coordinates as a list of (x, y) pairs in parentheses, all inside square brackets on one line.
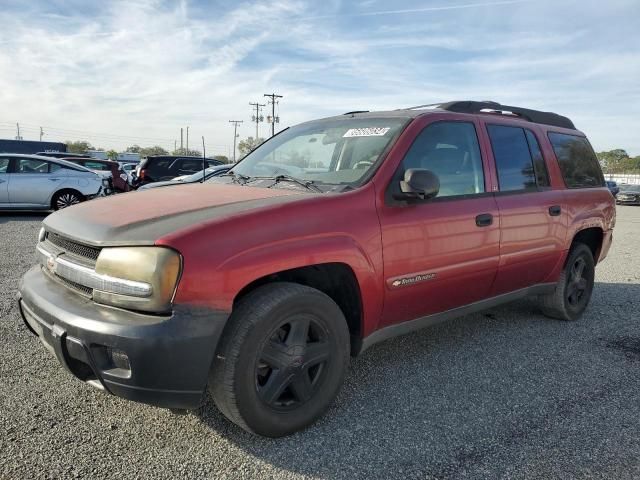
[(507, 393)]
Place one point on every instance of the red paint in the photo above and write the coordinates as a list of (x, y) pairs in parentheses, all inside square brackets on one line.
[(381, 243)]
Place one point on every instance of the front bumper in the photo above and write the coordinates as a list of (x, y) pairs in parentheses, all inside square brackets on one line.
[(169, 356)]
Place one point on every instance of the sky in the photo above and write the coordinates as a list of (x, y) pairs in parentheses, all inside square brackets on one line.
[(119, 73)]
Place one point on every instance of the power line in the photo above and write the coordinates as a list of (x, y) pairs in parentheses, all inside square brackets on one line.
[(85, 132), (235, 136), (273, 117)]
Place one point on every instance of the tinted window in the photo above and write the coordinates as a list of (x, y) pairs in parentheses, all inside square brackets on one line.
[(539, 165), (158, 167), (190, 165), (28, 165), (451, 151), (513, 158), (4, 165), (578, 163), (54, 167)]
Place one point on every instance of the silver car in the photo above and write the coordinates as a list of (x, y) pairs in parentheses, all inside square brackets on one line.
[(34, 182)]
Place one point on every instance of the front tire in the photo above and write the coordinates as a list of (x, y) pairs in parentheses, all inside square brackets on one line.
[(574, 288), (282, 359)]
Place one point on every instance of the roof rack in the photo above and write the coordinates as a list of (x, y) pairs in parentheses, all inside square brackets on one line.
[(535, 116)]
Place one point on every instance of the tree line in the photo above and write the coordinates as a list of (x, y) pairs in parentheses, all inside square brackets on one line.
[(618, 161), (82, 146)]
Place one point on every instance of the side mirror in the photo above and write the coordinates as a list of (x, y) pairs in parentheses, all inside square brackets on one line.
[(418, 184)]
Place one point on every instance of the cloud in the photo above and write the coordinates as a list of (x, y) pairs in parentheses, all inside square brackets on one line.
[(138, 71)]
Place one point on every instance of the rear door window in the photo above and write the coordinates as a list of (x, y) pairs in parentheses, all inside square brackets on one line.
[(190, 165), (4, 164), (29, 165), (519, 160), (577, 161), (158, 167)]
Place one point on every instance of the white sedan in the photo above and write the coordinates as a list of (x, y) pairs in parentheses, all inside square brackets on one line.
[(32, 182)]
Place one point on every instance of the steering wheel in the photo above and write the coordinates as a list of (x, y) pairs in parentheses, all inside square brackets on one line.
[(362, 164)]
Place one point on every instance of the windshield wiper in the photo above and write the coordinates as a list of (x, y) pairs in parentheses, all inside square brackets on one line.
[(237, 177), (308, 184)]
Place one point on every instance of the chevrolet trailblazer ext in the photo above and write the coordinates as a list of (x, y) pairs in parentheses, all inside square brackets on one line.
[(333, 235)]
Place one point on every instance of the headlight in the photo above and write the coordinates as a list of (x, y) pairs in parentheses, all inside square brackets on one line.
[(149, 277)]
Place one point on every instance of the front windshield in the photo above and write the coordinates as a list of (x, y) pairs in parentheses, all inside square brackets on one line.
[(631, 188), (326, 152)]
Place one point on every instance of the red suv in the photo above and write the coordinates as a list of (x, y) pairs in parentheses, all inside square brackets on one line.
[(333, 235)]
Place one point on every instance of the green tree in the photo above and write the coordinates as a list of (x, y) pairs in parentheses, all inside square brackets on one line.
[(147, 151), (79, 146), (248, 144), (615, 161), (187, 153), (112, 155), (222, 158)]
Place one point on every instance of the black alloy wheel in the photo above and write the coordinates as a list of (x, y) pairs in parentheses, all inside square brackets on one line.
[(291, 365), (575, 285)]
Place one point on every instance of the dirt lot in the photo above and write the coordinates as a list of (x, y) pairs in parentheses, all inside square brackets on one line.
[(505, 393)]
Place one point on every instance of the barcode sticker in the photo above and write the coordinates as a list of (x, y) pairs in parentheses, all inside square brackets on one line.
[(366, 132)]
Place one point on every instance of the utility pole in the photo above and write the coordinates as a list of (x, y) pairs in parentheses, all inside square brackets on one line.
[(175, 145), (187, 140), (273, 117), (257, 117), (235, 136), (41, 133), (181, 138), (18, 137)]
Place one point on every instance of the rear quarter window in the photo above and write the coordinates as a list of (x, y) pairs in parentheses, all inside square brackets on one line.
[(577, 161)]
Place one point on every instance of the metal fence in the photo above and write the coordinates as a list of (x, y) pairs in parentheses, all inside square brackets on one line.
[(620, 178)]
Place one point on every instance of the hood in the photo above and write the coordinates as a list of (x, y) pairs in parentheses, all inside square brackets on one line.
[(140, 218)]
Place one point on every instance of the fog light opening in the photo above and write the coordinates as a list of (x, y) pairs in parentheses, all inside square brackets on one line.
[(118, 359)]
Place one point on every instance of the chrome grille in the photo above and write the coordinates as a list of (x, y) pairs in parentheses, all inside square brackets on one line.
[(73, 248)]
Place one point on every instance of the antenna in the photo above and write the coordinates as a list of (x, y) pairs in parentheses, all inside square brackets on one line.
[(203, 160)]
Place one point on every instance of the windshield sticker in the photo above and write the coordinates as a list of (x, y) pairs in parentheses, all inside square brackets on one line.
[(366, 132)]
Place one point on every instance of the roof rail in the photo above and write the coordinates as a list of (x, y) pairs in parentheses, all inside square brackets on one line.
[(535, 116), (356, 111)]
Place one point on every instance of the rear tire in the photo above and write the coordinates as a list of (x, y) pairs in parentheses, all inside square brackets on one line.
[(66, 198), (574, 288), (282, 359)]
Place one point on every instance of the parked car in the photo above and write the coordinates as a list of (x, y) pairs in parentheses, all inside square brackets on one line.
[(209, 173), (613, 187), (166, 167), (257, 287), (63, 154), (107, 168), (628, 195), (34, 182)]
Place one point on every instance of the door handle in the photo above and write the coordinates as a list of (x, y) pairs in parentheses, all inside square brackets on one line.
[(484, 220), (2, 181), (54, 179), (555, 210)]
